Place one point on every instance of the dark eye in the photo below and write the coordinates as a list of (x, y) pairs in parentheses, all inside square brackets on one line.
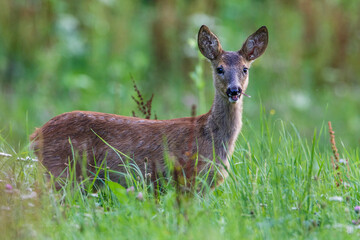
[(245, 70), (220, 70)]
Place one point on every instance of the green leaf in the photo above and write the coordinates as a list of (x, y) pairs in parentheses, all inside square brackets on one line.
[(118, 191)]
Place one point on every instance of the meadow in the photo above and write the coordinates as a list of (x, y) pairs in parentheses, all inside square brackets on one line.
[(281, 186), (285, 180)]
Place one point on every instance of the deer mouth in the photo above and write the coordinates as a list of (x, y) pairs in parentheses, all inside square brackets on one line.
[(234, 98), (234, 94)]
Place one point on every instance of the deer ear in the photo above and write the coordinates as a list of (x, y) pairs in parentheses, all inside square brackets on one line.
[(208, 43), (255, 45)]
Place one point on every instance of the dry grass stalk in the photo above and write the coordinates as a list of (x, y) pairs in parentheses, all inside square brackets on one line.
[(335, 159), (144, 108)]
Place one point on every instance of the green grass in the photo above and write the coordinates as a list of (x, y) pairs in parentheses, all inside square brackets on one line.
[(281, 186)]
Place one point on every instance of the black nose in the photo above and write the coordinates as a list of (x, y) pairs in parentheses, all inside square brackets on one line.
[(233, 91)]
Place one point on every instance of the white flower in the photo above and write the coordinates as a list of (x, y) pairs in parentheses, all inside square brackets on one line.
[(28, 196), (336, 199)]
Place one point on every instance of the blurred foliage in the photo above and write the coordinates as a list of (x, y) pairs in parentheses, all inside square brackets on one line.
[(58, 56)]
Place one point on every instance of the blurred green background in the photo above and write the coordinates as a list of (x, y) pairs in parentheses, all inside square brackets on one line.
[(58, 56)]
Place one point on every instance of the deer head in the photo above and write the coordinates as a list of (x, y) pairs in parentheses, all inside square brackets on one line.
[(231, 69)]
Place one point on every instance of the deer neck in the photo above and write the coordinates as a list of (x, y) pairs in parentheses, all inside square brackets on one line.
[(225, 121)]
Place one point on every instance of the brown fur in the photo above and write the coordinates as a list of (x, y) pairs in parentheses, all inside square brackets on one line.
[(183, 140)]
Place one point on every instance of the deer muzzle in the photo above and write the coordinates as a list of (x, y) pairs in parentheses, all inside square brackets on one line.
[(234, 94)]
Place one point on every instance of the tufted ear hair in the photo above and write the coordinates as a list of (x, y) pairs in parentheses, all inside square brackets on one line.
[(209, 44), (255, 45)]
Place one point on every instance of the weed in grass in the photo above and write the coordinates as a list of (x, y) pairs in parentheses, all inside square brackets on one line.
[(335, 159), (144, 108)]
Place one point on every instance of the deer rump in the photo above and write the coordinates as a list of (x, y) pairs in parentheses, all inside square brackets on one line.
[(89, 138)]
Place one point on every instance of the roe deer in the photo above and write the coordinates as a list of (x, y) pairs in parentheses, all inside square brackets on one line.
[(191, 143)]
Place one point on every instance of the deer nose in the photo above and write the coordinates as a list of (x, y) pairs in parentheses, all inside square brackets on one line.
[(233, 91)]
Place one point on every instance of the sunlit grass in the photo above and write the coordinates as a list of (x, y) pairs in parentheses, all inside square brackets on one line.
[(281, 185)]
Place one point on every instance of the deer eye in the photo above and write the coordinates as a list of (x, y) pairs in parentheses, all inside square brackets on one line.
[(245, 70), (220, 70)]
